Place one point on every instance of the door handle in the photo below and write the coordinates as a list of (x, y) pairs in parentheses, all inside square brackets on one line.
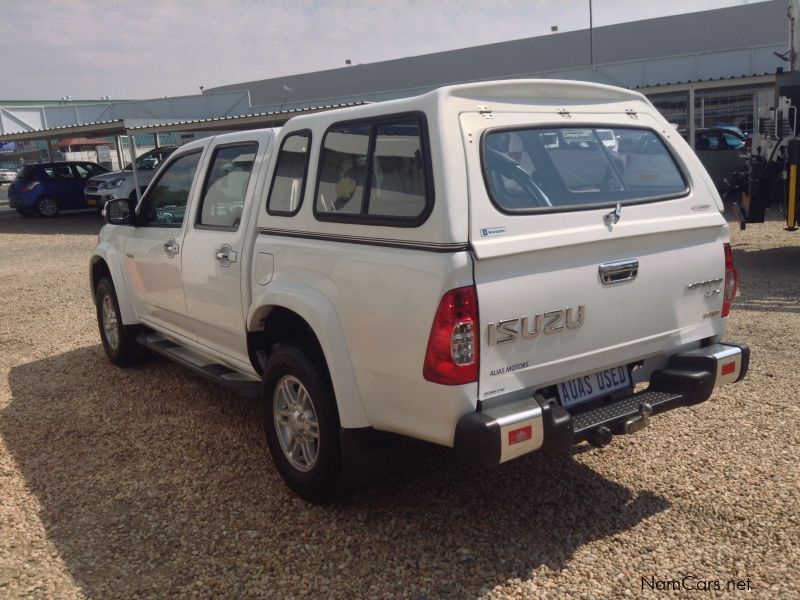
[(619, 271), (171, 247), (226, 255)]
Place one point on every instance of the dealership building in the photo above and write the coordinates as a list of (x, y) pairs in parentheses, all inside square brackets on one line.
[(717, 66), (700, 69)]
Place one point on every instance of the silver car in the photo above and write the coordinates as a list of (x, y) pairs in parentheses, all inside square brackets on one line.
[(7, 176), (722, 152)]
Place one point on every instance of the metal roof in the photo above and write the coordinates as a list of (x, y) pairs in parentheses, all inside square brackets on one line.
[(250, 121), (137, 126), (752, 79)]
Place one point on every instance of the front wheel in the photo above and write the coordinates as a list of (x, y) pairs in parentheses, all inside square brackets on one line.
[(118, 339), (301, 423)]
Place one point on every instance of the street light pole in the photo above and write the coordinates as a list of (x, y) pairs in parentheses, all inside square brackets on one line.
[(591, 39)]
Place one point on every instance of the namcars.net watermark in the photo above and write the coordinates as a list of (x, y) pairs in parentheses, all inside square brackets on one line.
[(690, 583)]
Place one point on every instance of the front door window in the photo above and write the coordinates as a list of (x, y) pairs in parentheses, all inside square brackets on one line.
[(165, 203)]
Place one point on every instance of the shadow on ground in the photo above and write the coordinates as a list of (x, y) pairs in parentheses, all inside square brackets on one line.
[(78, 222), (154, 482)]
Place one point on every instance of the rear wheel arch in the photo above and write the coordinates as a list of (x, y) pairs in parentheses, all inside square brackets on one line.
[(277, 324), (283, 326)]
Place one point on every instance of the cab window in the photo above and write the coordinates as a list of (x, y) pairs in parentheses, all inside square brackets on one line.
[(375, 172), (222, 202), (288, 184), (165, 204)]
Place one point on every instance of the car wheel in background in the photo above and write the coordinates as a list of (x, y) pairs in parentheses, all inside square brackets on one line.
[(118, 339), (301, 423), (46, 207)]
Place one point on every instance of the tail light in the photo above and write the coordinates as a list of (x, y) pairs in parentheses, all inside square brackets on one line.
[(731, 282), (30, 185), (452, 354)]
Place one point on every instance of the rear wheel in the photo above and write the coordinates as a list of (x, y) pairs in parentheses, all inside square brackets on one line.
[(118, 339), (301, 423), (47, 208)]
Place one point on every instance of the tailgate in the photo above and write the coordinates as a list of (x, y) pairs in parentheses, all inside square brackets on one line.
[(563, 290)]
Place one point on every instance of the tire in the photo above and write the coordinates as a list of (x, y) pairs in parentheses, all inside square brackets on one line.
[(46, 208), (118, 339), (308, 457)]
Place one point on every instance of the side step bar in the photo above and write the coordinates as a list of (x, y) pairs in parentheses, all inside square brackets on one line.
[(241, 384)]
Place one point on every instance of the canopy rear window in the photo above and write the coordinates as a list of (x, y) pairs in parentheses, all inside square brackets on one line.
[(568, 168)]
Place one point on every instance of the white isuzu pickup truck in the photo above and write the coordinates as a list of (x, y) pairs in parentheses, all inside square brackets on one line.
[(472, 267)]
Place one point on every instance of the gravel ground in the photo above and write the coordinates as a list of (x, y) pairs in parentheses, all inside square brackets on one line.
[(151, 482)]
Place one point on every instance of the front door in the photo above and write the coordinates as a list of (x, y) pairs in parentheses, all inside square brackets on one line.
[(213, 250), (153, 251), (70, 187)]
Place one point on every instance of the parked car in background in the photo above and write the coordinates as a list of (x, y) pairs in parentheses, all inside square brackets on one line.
[(46, 189), (609, 139), (738, 131), (7, 176), (119, 184), (723, 153)]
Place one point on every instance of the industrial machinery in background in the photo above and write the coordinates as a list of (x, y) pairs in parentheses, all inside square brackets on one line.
[(774, 165)]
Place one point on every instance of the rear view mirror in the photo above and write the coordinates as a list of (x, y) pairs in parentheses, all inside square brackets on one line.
[(119, 212)]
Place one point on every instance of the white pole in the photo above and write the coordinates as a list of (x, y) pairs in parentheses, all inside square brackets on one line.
[(132, 142)]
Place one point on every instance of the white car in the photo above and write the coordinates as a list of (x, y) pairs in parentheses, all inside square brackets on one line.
[(608, 138), (7, 175), (468, 267)]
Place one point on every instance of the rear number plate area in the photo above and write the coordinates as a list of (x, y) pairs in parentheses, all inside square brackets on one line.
[(595, 385)]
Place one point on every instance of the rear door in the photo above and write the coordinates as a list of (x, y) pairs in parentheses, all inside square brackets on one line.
[(213, 250), (569, 283)]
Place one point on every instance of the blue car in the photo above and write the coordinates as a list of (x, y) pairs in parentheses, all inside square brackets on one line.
[(48, 188)]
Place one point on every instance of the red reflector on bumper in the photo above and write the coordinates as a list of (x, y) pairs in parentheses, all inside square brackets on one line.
[(728, 368), (517, 436)]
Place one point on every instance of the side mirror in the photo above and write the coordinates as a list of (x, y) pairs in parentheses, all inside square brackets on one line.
[(119, 212)]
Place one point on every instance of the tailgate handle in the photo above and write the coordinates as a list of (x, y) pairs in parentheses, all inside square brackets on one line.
[(619, 271)]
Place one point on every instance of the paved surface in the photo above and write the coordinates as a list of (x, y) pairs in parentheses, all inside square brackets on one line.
[(151, 482)]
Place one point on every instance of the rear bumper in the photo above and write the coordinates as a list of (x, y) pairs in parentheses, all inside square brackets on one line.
[(508, 430)]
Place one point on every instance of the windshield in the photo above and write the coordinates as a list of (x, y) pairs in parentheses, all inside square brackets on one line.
[(150, 160), (539, 169)]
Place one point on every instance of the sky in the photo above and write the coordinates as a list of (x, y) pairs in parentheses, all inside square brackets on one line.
[(153, 48)]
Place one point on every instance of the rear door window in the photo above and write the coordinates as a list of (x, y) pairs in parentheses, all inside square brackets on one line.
[(63, 172), (564, 168)]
